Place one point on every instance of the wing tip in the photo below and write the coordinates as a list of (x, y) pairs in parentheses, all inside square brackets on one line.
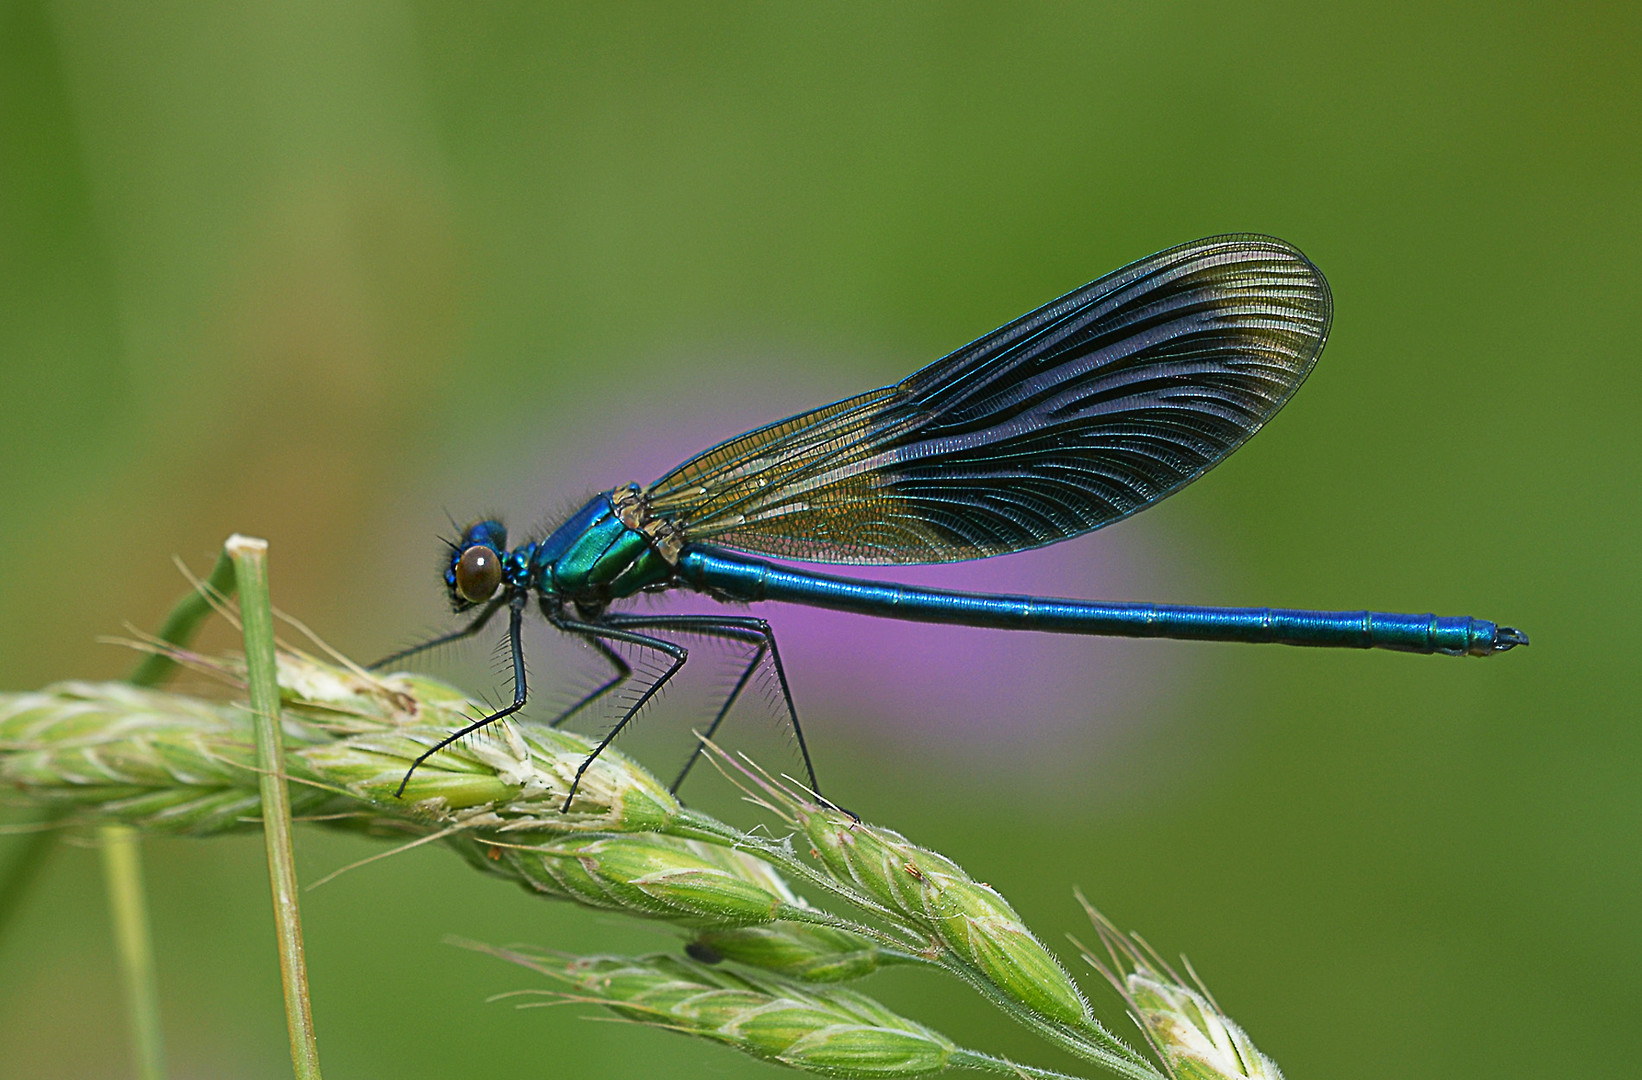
[(1322, 307)]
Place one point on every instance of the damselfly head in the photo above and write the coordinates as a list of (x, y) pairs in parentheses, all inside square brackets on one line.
[(475, 571)]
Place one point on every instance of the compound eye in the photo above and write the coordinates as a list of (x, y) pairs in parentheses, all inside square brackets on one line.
[(478, 573)]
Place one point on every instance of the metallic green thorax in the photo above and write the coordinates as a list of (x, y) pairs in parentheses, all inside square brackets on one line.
[(604, 552)]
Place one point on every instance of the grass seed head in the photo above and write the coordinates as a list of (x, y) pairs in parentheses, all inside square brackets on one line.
[(800, 951), (1195, 1039), (831, 1030), (966, 916), (171, 762), (158, 761), (685, 881), (1193, 1036), (520, 775)]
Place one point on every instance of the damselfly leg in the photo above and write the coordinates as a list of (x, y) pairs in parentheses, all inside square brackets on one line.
[(465, 632), (622, 672), (743, 628), (608, 633), (515, 616)]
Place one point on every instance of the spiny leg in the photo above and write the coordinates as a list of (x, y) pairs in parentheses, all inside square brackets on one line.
[(723, 711), (516, 607), (467, 631), (623, 671), (729, 634), (610, 633), (735, 628)]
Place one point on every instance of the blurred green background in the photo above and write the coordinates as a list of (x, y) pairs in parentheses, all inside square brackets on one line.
[(321, 272)]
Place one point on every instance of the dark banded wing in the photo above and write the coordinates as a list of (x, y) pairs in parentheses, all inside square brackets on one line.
[(1072, 417)]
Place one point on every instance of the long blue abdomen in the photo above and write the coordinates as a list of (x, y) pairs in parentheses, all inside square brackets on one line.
[(730, 576)]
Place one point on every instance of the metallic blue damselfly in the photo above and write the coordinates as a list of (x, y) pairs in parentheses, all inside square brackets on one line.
[(1076, 415)]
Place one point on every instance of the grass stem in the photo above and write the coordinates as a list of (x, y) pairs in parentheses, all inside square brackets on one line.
[(122, 871), (250, 561)]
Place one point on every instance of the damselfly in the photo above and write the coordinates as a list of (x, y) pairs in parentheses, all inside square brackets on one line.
[(1076, 415)]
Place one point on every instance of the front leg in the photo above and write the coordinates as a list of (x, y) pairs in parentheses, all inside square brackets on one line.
[(516, 607), (467, 631)]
